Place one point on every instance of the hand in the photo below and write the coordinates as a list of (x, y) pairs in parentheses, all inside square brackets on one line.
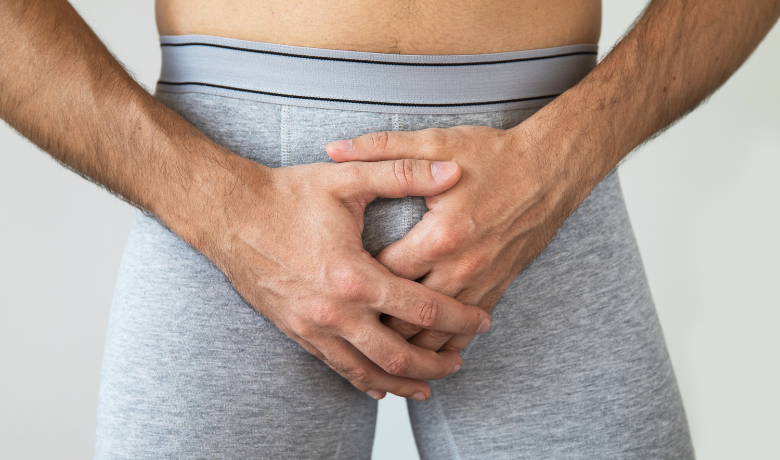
[(480, 234), (293, 249)]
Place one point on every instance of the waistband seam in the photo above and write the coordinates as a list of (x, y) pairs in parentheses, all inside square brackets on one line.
[(353, 101), (369, 61), (357, 107)]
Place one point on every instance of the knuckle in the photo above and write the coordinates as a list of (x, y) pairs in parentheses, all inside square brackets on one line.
[(445, 240), (302, 328), (462, 274), (429, 313), (434, 139), (404, 171), (378, 140), (405, 327), (398, 364), (359, 374), (349, 180), (439, 336), (470, 267), (348, 284), (350, 171), (353, 174), (325, 314)]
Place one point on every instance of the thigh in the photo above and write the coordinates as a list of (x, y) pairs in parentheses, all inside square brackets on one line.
[(192, 371), (575, 364)]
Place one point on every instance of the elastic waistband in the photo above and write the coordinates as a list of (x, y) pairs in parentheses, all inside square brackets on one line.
[(372, 82)]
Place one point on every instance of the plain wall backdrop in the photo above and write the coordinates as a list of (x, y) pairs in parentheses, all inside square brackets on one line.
[(703, 199)]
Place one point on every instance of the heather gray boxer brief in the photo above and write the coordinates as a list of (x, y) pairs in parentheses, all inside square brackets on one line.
[(574, 366)]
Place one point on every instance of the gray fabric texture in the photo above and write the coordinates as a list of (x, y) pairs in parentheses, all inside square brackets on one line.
[(574, 366)]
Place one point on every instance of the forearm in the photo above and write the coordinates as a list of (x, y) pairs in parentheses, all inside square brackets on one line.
[(678, 53), (61, 88)]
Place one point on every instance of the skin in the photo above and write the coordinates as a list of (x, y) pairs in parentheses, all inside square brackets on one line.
[(62, 89), (390, 26), (479, 235)]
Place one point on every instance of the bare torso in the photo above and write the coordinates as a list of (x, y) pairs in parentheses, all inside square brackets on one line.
[(390, 26)]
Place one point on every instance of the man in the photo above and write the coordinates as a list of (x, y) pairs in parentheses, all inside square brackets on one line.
[(203, 193)]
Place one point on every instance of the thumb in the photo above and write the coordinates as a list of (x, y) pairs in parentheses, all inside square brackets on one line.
[(400, 178)]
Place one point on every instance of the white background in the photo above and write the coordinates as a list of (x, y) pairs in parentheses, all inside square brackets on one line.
[(703, 199)]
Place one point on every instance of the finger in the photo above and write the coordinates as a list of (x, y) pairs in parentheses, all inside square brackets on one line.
[(406, 258), (416, 304), (398, 178), (457, 343), (441, 280), (379, 395), (376, 394), (431, 340), (488, 302), (358, 369), (490, 299), (382, 145), (305, 344), (404, 329), (397, 357), (400, 385), (485, 298), (425, 338), (433, 240)]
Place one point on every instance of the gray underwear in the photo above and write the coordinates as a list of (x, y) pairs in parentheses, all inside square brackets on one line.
[(574, 366)]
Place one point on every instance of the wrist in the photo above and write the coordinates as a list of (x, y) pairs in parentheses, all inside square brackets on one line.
[(577, 147), (205, 209), (195, 186), (561, 160)]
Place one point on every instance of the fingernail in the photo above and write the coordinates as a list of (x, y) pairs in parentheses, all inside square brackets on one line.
[(484, 326), (344, 146), (455, 369), (443, 170), (417, 396), (374, 394)]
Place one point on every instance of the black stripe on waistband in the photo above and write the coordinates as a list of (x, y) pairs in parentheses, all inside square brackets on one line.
[(367, 61), (352, 101)]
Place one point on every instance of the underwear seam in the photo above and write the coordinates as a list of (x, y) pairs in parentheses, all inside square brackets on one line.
[(396, 122), (357, 101), (368, 61), (343, 429), (407, 201), (465, 352), (448, 432), (286, 148)]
